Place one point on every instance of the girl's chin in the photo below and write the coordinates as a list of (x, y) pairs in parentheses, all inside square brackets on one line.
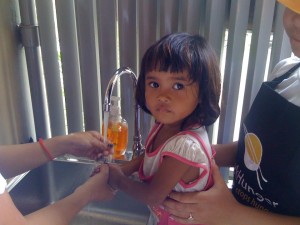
[(168, 122)]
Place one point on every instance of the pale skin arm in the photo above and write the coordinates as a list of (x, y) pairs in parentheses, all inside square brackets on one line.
[(217, 206), (63, 211), (154, 192), (86, 144)]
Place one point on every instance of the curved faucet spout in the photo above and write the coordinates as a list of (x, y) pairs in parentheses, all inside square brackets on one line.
[(137, 148)]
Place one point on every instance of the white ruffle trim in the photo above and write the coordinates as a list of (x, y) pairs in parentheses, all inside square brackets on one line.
[(186, 147)]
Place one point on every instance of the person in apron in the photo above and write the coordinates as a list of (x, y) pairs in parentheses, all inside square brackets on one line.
[(268, 156), (266, 187)]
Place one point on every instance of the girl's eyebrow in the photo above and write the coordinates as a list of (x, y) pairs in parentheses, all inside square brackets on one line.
[(182, 78), (150, 77), (174, 77)]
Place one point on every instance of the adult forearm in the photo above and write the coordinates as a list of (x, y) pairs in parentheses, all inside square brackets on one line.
[(59, 213), (225, 154), (16, 159)]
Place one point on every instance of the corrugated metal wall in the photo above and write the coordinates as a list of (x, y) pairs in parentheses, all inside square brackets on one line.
[(95, 37), (16, 120)]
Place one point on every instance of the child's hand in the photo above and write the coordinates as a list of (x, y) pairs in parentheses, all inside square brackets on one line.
[(115, 175)]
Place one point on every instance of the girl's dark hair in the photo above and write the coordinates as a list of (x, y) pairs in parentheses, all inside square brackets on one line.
[(181, 52)]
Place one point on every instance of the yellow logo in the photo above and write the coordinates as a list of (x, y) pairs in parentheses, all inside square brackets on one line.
[(253, 155)]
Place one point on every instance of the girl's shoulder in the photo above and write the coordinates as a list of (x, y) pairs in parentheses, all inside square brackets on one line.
[(196, 134), (2, 184), (192, 145)]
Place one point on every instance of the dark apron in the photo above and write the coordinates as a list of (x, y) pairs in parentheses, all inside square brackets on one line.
[(267, 173)]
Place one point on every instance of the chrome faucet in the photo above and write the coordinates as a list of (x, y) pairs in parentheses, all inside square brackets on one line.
[(137, 147)]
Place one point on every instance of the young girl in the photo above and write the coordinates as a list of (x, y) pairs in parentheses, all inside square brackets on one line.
[(179, 85)]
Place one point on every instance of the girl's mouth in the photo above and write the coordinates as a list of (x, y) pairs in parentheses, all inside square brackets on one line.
[(163, 108)]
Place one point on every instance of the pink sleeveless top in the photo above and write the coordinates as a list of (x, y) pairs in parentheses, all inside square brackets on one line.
[(191, 147)]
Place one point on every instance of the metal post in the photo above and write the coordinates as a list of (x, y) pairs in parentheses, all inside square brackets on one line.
[(30, 40)]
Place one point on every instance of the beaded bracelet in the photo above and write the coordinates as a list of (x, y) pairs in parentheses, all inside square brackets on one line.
[(46, 151)]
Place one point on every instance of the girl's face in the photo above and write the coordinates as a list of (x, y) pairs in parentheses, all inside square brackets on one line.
[(170, 97), (291, 22)]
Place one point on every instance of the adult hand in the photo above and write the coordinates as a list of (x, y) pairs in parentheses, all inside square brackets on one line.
[(214, 206), (88, 144), (96, 186)]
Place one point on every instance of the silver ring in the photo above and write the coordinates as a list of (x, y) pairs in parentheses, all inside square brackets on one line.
[(191, 218)]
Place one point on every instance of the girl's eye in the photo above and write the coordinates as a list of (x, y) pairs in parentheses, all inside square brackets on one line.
[(153, 84), (178, 86)]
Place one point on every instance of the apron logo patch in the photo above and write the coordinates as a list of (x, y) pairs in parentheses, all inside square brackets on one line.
[(253, 155)]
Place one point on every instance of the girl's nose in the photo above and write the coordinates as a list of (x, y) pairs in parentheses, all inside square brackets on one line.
[(163, 98)]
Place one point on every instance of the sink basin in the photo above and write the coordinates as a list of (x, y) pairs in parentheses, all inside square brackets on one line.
[(57, 179)]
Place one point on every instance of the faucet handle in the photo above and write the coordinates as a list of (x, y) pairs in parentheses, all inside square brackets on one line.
[(137, 148)]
